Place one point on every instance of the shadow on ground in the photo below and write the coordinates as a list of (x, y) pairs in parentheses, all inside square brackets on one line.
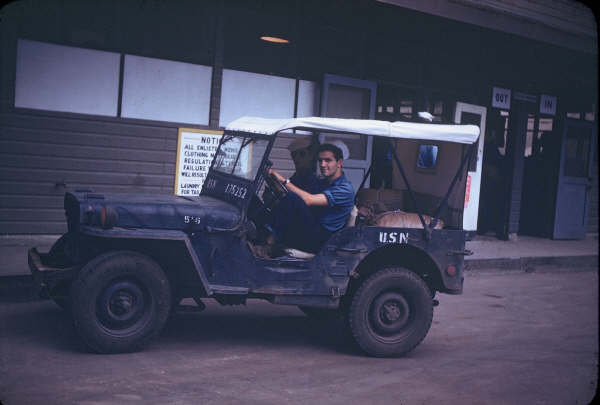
[(256, 325)]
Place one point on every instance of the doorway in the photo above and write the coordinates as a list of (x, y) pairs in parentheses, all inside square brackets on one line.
[(495, 173), (541, 159), (344, 97)]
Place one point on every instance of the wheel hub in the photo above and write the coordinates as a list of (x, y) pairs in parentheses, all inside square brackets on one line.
[(389, 313), (121, 305)]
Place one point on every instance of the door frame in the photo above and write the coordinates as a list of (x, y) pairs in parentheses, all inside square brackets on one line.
[(473, 186)]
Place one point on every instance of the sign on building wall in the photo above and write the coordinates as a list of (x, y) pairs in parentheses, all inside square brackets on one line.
[(547, 104), (195, 151), (501, 98)]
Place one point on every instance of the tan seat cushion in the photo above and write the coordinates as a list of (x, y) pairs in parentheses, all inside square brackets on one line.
[(401, 219)]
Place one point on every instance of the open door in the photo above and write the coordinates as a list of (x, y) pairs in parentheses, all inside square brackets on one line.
[(475, 115), (574, 179), (344, 97)]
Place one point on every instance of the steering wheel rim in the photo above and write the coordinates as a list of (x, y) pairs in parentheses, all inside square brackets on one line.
[(276, 188)]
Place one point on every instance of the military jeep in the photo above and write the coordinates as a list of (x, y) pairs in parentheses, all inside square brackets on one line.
[(128, 260)]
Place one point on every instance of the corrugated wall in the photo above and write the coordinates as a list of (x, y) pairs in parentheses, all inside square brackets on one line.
[(42, 156)]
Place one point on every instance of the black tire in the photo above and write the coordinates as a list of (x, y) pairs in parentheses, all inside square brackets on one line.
[(390, 313), (319, 313), (61, 296), (120, 300)]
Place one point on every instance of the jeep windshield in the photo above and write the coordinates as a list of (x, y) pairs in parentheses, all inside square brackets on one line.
[(240, 156)]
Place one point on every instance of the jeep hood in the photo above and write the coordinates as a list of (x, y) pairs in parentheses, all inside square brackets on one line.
[(147, 211)]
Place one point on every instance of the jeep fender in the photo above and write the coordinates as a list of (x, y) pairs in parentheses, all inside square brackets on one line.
[(144, 237), (404, 255)]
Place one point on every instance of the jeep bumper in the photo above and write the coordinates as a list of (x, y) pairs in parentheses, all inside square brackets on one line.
[(46, 277)]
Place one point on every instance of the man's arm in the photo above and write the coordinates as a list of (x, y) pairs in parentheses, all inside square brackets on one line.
[(308, 198)]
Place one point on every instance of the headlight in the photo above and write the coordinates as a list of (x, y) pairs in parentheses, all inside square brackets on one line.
[(108, 217)]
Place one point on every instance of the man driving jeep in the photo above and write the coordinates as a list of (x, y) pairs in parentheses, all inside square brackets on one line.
[(305, 220), (303, 151)]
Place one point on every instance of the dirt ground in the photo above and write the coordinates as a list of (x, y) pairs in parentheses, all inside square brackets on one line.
[(513, 338)]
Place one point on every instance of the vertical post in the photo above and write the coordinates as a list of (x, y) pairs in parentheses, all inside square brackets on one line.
[(217, 72), (517, 135)]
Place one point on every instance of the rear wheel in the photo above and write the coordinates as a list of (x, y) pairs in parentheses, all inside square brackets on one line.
[(120, 300), (390, 313)]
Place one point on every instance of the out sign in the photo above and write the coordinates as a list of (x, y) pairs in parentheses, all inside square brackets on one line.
[(547, 104), (501, 98)]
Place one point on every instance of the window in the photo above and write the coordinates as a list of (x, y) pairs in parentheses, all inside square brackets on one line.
[(64, 78), (240, 156), (255, 94), (427, 158), (163, 90), (308, 99), (577, 152)]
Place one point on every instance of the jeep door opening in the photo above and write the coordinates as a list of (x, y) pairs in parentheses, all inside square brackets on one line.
[(128, 260)]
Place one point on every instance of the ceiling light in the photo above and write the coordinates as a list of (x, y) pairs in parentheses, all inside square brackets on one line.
[(275, 39)]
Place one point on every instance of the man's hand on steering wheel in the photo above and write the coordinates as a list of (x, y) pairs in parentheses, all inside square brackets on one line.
[(276, 183), (277, 176)]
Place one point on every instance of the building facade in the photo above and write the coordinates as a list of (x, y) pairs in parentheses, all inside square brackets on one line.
[(94, 94)]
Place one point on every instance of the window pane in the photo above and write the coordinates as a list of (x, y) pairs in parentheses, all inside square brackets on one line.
[(163, 90), (240, 156), (308, 99), (64, 78), (577, 152), (257, 95), (427, 156)]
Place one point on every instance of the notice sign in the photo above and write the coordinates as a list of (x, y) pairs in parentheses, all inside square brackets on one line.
[(195, 151)]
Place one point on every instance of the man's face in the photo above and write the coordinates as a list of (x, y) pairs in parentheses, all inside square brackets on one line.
[(302, 159), (328, 165)]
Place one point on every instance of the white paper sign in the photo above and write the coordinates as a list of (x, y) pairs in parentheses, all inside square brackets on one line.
[(548, 104), (195, 151), (501, 98)]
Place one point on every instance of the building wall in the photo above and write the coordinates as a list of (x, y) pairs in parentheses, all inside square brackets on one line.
[(43, 152)]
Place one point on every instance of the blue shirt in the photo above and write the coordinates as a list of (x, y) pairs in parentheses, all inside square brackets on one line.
[(340, 198)]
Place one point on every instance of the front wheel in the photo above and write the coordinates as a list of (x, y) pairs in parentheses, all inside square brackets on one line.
[(120, 300), (391, 312)]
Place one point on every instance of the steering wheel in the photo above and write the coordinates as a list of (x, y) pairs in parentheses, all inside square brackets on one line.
[(274, 191)]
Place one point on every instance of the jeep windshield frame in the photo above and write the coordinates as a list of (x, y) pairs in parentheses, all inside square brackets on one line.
[(237, 169)]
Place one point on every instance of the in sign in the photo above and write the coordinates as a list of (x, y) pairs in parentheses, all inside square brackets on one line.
[(547, 104)]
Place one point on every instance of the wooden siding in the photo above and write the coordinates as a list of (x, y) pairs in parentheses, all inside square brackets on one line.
[(42, 156)]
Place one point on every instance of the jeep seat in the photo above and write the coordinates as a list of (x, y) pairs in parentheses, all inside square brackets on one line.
[(300, 254)]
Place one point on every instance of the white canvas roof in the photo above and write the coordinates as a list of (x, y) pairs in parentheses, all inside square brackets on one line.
[(466, 134)]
